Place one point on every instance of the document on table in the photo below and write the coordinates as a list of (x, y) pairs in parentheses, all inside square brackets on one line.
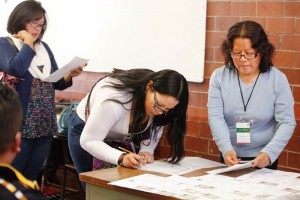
[(244, 165), (58, 74), (188, 164)]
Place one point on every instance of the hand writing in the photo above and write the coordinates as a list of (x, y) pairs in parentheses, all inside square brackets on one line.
[(132, 160)]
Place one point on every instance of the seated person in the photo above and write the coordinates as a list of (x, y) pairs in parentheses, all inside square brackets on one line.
[(13, 185)]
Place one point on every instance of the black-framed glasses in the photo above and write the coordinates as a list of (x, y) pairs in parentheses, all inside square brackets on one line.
[(35, 25), (246, 55), (156, 106)]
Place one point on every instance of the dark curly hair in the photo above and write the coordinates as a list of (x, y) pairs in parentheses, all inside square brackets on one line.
[(259, 40)]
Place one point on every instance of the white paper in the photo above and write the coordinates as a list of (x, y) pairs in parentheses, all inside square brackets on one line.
[(58, 74), (188, 164), (244, 165)]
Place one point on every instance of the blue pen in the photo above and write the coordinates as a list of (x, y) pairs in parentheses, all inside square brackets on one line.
[(132, 147)]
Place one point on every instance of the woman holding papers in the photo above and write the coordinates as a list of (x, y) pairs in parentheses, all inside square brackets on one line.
[(129, 107), (25, 56), (250, 104)]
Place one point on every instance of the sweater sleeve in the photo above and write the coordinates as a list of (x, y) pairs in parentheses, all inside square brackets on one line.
[(101, 119), (284, 116), (216, 118)]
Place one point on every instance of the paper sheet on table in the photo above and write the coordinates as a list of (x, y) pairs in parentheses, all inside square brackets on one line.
[(58, 74), (188, 164), (232, 168)]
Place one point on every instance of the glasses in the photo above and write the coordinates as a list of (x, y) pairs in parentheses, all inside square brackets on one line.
[(156, 106), (246, 55), (35, 25)]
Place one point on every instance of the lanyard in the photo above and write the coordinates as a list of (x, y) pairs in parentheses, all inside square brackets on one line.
[(245, 106)]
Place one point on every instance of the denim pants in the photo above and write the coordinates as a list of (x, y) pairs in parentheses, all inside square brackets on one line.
[(32, 156), (82, 160)]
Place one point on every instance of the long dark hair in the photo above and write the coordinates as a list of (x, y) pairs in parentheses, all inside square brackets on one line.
[(259, 40), (168, 82), (26, 12)]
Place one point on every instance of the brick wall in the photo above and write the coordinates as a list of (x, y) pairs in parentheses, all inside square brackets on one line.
[(281, 20)]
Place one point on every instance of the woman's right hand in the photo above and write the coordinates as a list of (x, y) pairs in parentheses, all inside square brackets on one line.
[(26, 37), (230, 158), (132, 160)]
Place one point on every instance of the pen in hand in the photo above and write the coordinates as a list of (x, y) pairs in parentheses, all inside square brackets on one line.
[(134, 156)]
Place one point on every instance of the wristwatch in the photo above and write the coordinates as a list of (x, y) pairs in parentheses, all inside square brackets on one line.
[(120, 160)]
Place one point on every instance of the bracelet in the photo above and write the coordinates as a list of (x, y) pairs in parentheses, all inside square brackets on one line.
[(120, 160)]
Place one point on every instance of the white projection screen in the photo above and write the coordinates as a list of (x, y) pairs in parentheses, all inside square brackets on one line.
[(154, 34)]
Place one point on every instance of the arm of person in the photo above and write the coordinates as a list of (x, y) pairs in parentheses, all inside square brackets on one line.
[(13, 62), (285, 119), (103, 116), (216, 118)]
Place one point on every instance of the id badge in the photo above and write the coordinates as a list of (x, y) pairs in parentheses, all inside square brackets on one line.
[(243, 132)]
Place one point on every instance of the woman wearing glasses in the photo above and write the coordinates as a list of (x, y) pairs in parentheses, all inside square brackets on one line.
[(25, 56), (129, 107), (250, 104)]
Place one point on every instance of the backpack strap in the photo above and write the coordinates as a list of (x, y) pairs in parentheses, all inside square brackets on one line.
[(11, 42)]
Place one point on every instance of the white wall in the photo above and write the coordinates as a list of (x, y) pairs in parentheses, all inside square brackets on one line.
[(125, 34)]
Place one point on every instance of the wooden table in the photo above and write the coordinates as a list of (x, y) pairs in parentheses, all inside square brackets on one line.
[(97, 186)]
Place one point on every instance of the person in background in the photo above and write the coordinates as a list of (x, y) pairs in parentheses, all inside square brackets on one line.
[(30, 59), (250, 104), (13, 185), (131, 107)]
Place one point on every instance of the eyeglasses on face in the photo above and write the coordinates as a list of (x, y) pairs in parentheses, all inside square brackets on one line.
[(35, 25), (156, 106), (246, 55)]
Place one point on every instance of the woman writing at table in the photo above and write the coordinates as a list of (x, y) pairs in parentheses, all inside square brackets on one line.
[(126, 106), (250, 104)]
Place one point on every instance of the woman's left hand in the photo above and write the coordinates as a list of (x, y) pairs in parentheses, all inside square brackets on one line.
[(146, 157), (262, 160), (74, 72)]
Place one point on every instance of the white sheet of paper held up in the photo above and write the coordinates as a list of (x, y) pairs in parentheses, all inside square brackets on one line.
[(243, 165), (58, 74)]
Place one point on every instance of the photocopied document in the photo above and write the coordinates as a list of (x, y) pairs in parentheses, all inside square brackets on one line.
[(58, 74), (244, 165)]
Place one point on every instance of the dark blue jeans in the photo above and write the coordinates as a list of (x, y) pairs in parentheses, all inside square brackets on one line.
[(32, 156), (82, 160)]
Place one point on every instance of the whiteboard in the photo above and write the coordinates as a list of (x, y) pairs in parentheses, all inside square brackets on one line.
[(155, 34)]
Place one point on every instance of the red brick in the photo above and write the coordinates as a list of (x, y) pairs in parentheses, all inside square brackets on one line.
[(204, 130), (210, 23), (218, 55), (199, 87), (193, 129), (293, 144), (296, 60), (196, 144), (275, 40), (210, 157), (194, 99), (224, 23), (282, 161), (243, 8), (218, 8), (297, 31), (284, 59), (297, 111), (297, 129), (204, 98), (294, 160), (197, 114), (214, 39), (290, 42), (280, 25), (209, 54), (296, 93), (210, 68), (292, 75), (270, 9), (213, 148), (292, 9)]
